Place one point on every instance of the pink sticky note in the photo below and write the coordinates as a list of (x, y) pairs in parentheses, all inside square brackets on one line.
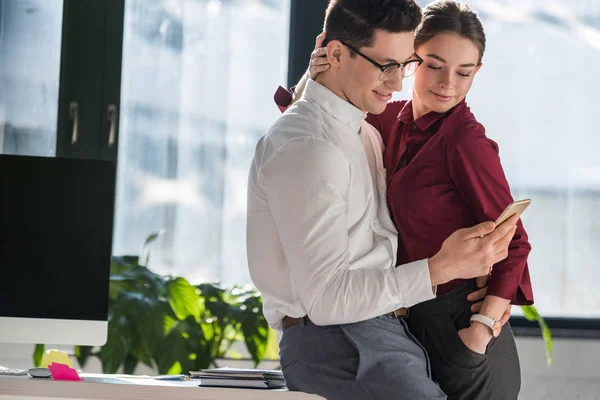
[(62, 372)]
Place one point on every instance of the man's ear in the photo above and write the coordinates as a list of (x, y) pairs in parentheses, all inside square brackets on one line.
[(335, 52)]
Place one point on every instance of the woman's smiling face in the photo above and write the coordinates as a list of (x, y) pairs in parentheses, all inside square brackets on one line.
[(445, 77)]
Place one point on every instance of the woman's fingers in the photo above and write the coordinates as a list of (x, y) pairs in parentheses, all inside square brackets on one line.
[(476, 307), (506, 315), (318, 62), (320, 39), (315, 71), (318, 53)]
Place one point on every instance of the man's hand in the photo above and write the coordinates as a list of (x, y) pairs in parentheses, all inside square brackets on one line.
[(479, 296), (476, 337), (480, 293), (471, 252)]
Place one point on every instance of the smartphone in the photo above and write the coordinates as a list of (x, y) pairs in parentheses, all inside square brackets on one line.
[(516, 207)]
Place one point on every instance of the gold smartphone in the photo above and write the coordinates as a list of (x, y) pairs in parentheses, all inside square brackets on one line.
[(516, 207)]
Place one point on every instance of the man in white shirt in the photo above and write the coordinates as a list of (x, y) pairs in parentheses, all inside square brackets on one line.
[(321, 244)]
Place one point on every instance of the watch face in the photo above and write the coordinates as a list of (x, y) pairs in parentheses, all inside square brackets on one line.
[(497, 329)]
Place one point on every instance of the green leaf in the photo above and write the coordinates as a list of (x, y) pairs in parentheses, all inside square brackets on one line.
[(184, 299), (223, 311), (532, 314), (175, 369), (118, 344), (139, 351), (212, 292), (255, 328), (146, 249), (82, 353), (138, 280), (171, 349), (150, 326), (38, 354), (130, 364), (169, 323), (272, 351), (118, 265), (113, 354), (547, 339), (199, 350), (256, 333)]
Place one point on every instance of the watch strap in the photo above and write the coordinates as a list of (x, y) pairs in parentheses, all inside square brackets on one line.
[(487, 321)]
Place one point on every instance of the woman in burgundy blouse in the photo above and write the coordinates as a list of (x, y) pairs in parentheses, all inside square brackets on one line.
[(444, 174)]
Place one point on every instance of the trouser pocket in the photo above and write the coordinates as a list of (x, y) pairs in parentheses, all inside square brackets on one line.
[(461, 373)]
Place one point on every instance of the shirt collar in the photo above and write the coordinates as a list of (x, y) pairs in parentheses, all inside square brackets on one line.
[(406, 115), (334, 105)]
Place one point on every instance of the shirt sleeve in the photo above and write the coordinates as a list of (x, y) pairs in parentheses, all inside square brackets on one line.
[(306, 183), (475, 168)]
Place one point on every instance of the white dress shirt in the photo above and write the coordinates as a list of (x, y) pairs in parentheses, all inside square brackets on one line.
[(320, 239)]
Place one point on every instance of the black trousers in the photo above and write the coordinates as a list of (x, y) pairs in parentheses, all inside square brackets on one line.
[(462, 373)]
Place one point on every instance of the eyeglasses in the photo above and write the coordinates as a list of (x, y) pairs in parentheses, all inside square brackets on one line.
[(407, 67)]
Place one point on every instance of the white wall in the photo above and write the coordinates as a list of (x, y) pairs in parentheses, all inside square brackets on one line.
[(574, 374)]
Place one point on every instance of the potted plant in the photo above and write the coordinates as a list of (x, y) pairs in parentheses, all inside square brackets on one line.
[(169, 324)]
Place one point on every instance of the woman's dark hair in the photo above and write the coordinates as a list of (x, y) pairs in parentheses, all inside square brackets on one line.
[(354, 21), (450, 16)]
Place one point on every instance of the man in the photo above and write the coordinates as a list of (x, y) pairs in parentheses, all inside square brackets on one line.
[(321, 244)]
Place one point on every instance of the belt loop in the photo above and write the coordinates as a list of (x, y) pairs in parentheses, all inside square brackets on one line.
[(302, 321)]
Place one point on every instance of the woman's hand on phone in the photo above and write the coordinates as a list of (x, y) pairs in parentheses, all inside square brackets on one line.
[(318, 60)]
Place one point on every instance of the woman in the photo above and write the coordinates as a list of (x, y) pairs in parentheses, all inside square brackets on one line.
[(443, 174)]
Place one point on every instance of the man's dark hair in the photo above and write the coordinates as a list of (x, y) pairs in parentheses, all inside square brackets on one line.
[(354, 21)]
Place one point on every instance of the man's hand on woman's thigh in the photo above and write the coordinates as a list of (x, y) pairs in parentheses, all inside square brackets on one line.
[(479, 296)]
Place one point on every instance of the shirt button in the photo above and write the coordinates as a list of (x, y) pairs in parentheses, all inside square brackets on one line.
[(414, 126)]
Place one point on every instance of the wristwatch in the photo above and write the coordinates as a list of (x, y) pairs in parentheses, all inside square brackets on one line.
[(494, 325)]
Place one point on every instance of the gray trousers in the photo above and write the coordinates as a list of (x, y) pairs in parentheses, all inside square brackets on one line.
[(462, 373), (373, 359)]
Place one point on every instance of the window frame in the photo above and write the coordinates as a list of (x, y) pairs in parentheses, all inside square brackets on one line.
[(90, 75)]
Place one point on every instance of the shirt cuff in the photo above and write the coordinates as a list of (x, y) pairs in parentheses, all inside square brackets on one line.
[(415, 283), (283, 98), (518, 294)]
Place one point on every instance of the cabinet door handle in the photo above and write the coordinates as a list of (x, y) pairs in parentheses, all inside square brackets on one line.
[(74, 115), (111, 115)]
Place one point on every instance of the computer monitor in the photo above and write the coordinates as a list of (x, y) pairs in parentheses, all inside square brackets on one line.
[(56, 225)]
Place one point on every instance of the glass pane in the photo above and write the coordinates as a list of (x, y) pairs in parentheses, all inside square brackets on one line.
[(30, 43), (543, 116), (197, 93)]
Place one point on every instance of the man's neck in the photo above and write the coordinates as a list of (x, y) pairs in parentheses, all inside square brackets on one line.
[(331, 84)]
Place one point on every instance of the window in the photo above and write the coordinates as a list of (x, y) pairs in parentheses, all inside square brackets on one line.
[(534, 94), (30, 41), (197, 93)]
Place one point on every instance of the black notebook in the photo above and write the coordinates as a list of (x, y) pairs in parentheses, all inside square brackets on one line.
[(241, 378)]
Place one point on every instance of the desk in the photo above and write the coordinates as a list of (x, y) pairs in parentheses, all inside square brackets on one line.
[(24, 388)]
